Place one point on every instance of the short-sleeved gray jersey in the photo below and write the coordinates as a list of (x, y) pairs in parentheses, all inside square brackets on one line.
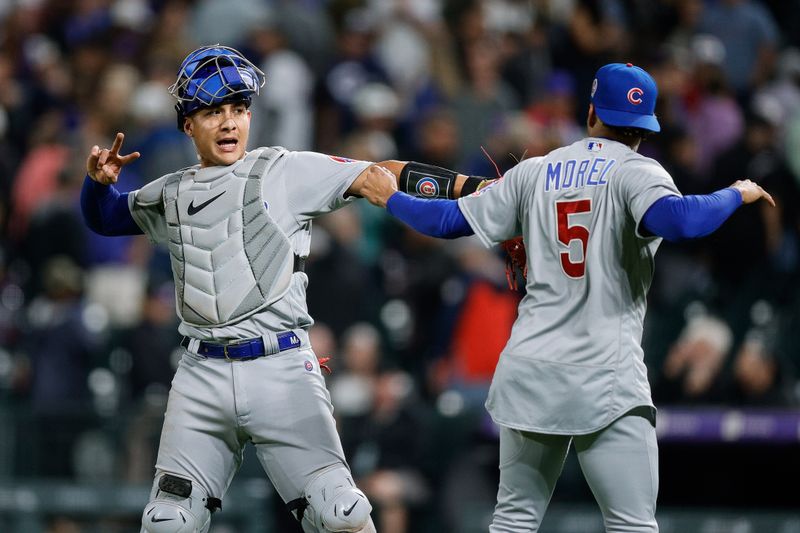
[(297, 188), (574, 361)]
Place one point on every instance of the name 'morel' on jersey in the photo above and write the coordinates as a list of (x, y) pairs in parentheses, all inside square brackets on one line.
[(574, 361)]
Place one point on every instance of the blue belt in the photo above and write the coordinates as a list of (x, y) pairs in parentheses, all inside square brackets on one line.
[(246, 349)]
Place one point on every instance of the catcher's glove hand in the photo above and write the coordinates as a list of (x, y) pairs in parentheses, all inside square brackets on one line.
[(515, 259)]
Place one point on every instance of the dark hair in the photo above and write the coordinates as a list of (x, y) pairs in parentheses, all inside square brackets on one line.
[(627, 134)]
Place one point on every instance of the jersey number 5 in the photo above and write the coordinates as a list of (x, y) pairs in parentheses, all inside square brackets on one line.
[(567, 234)]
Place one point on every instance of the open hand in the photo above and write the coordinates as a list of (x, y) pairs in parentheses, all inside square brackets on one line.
[(104, 166), (752, 192)]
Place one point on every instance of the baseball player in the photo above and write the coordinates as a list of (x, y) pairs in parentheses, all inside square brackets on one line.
[(592, 215), (238, 228)]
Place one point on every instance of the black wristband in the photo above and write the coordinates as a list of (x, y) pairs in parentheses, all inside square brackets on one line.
[(474, 183), (427, 181)]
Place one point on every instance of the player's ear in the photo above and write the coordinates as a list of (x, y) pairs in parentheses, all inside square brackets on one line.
[(591, 117), (188, 127)]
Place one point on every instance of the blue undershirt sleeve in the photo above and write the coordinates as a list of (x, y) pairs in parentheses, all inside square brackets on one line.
[(435, 218), (105, 210), (677, 218)]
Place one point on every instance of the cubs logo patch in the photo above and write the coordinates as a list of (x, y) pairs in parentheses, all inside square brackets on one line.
[(341, 159), (635, 96), (308, 366), (428, 187)]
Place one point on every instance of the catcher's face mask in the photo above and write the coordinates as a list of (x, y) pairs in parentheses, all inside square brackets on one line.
[(212, 75)]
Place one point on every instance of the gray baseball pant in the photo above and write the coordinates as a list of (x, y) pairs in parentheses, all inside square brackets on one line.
[(279, 403), (620, 463)]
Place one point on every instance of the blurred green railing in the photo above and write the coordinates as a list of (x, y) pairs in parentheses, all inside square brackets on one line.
[(29, 506)]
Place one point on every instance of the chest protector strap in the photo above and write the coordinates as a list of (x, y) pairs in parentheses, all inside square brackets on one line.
[(232, 260)]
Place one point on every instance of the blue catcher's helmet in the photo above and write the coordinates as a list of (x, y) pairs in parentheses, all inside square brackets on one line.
[(212, 75)]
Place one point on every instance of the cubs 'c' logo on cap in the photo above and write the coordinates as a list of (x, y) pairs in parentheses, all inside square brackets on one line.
[(594, 87), (427, 187), (635, 96)]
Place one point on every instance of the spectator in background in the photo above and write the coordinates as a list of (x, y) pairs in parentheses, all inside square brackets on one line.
[(150, 345), (735, 257), (89, 59), (286, 106), (7, 165), (486, 311), (381, 429), (483, 101), (353, 385), (780, 97), (112, 101), (522, 28), (60, 345), (241, 17), (715, 120), (436, 139), (36, 180), (758, 377), (589, 34), (555, 110), (750, 38), (153, 128), (729, 348), (414, 270), (55, 229), (376, 107), (416, 28), (340, 291), (170, 36), (355, 66), (691, 370), (152, 342), (389, 453)]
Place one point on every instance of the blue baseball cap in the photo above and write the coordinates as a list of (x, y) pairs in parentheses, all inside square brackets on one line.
[(624, 95)]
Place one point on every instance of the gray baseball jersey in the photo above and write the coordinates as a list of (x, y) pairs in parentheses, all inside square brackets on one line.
[(296, 188), (278, 403), (574, 361)]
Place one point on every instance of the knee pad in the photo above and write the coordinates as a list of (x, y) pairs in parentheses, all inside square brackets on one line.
[(179, 506), (335, 504)]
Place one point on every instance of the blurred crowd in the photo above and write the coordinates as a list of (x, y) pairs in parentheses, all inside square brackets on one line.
[(87, 324)]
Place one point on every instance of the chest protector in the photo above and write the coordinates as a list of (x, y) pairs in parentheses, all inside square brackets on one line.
[(229, 257)]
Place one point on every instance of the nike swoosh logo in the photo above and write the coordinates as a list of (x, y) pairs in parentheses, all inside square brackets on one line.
[(156, 520), (194, 210), (347, 512)]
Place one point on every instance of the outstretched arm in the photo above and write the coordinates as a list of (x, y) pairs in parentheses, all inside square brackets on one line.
[(678, 218), (436, 218), (104, 209), (425, 181)]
